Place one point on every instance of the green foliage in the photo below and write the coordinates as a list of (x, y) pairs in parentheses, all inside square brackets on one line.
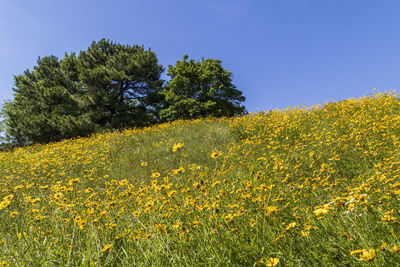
[(106, 87), (113, 86), (5, 145), (47, 106), (199, 89), (2, 124), (123, 80)]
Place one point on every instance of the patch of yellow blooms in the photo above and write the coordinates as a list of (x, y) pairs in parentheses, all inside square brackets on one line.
[(293, 182)]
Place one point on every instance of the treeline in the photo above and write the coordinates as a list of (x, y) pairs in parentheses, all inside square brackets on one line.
[(113, 86)]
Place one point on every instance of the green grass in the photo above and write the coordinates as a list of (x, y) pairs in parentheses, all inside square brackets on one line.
[(304, 186)]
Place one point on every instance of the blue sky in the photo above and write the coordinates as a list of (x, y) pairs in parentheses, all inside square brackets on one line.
[(281, 52)]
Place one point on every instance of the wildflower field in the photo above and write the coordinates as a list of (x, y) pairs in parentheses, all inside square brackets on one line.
[(311, 186)]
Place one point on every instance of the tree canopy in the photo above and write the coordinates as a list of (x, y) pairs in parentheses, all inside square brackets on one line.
[(124, 82), (109, 86), (113, 86), (202, 88), (47, 106)]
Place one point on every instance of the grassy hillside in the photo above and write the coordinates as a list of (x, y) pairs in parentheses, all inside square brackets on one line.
[(296, 187)]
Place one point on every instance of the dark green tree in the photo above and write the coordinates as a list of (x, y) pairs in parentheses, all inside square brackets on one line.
[(106, 87), (2, 125), (47, 106), (123, 80), (200, 89)]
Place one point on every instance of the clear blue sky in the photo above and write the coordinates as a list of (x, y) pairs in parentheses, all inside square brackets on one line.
[(281, 52)]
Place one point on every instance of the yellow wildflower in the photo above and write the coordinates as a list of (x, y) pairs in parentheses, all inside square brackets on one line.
[(155, 174), (172, 193), (395, 249), (215, 154), (272, 261), (388, 217), (324, 209), (106, 248), (73, 181), (39, 217), (18, 187), (177, 147), (357, 251), (305, 233), (13, 214), (9, 197), (318, 212), (290, 226), (4, 204), (271, 209), (368, 255), (252, 222), (178, 171)]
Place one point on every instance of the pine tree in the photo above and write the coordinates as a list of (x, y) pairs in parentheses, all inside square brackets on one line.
[(108, 86), (47, 106), (124, 82)]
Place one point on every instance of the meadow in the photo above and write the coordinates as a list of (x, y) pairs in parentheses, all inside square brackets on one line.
[(304, 186)]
